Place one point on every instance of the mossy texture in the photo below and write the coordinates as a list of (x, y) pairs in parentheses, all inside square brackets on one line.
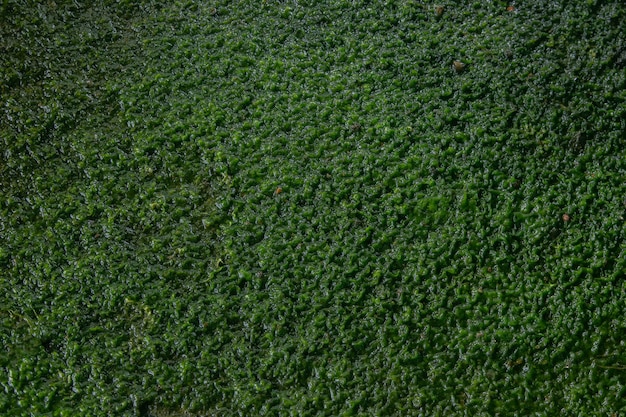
[(312, 208)]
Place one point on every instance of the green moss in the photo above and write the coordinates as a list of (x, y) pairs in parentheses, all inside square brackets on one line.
[(302, 208)]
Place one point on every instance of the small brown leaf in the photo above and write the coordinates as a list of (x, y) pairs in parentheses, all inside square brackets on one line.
[(458, 67)]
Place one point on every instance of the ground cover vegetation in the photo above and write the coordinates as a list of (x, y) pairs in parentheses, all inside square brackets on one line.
[(312, 208)]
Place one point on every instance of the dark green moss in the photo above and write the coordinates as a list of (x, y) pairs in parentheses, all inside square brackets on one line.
[(303, 208)]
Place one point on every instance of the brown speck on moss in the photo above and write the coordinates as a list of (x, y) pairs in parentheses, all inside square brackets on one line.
[(458, 66)]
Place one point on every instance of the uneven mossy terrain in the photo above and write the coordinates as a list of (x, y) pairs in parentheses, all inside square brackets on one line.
[(302, 208)]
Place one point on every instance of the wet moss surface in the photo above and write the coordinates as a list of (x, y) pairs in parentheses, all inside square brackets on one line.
[(312, 208)]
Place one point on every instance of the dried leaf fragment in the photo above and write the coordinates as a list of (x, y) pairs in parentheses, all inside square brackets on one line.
[(458, 66)]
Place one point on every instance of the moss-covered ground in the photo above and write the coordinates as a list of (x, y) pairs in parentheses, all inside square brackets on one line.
[(308, 208)]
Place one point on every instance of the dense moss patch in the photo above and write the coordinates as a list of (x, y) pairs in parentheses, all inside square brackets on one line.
[(307, 208)]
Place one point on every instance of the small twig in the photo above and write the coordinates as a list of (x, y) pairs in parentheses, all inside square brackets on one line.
[(617, 367)]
